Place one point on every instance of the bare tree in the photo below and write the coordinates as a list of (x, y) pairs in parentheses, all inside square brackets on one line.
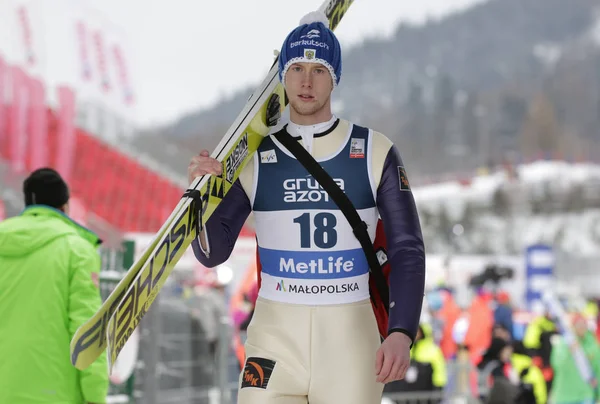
[(541, 132)]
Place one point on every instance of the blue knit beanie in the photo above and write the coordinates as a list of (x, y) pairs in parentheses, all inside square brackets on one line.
[(313, 42)]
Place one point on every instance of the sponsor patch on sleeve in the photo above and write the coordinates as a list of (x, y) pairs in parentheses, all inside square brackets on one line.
[(357, 148), (404, 184), (257, 372)]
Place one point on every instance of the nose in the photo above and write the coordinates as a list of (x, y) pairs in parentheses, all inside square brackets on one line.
[(307, 79)]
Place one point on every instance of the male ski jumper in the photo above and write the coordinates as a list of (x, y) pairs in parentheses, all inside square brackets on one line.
[(313, 337)]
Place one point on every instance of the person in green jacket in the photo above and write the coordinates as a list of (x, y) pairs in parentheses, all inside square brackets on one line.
[(569, 387), (49, 268)]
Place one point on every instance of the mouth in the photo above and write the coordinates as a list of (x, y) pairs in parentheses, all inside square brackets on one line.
[(306, 97)]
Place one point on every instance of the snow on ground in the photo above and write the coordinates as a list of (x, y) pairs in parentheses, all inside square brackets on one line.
[(574, 232)]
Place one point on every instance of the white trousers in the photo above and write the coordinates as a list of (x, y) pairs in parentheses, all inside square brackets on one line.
[(299, 354)]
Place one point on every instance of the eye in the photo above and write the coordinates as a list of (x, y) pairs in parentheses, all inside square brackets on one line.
[(296, 68), (319, 70)]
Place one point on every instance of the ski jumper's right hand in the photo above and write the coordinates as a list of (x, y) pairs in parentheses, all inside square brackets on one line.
[(203, 164)]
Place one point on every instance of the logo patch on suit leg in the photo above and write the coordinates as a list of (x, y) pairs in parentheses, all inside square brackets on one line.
[(257, 372), (404, 184)]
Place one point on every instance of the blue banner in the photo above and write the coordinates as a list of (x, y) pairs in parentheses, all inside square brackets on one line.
[(539, 270)]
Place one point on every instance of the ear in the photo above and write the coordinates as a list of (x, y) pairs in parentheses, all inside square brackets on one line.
[(65, 208)]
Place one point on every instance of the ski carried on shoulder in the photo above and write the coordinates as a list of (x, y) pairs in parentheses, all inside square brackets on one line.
[(122, 311)]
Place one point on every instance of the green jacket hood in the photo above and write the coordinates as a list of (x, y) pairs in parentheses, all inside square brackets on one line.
[(37, 226)]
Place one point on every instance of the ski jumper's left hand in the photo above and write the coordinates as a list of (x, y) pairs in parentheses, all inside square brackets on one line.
[(393, 358)]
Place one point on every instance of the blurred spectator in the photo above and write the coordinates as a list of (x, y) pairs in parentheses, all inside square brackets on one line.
[(494, 386), (247, 309), (537, 342), (597, 301), (499, 331), (49, 287), (528, 372), (447, 314), (569, 385), (591, 314), (433, 303), (207, 308), (503, 313), (243, 298), (241, 308), (427, 371), (481, 321), (498, 381), (208, 305), (522, 365)]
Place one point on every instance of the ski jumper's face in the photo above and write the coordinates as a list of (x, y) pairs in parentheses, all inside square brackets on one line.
[(309, 87)]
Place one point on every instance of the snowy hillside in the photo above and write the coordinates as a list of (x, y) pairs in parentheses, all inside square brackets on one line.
[(546, 201)]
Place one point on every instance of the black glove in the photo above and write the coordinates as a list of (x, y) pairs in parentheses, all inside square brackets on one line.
[(273, 110)]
